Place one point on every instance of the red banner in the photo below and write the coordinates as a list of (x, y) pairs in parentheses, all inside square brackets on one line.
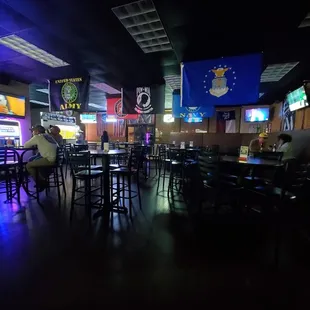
[(114, 107)]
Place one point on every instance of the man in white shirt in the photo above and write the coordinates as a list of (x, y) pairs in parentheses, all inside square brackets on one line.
[(47, 150)]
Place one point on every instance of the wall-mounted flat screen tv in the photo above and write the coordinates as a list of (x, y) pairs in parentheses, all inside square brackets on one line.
[(88, 118), (256, 115), (12, 106), (192, 118), (297, 99)]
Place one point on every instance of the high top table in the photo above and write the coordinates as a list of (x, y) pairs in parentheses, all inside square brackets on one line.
[(105, 156)]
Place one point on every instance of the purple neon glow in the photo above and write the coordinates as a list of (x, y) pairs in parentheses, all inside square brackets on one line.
[(147, 137), (106, 88), (24, 125)]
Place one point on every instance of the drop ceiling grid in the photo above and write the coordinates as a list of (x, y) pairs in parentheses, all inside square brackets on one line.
[(143, 23)]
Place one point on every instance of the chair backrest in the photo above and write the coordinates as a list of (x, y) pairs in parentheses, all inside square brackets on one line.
[(209, 167), (162, 152), (79, 161), (68, 147), (60, 155), (268, 155), (135, 158), (295, 174), (8, 155), (78, 147), (176, 155)]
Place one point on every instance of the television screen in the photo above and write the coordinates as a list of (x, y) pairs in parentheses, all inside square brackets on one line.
[(9, 129), (12, 106), (88, 118), (193, 118), (297, 99), (257, 115)]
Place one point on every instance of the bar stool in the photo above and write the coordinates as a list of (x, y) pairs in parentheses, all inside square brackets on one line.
[(132, 169), (56, 178), (80, 165), (9, 172), (163, 161)]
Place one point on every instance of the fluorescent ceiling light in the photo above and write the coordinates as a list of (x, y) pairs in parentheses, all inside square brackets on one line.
[(274, 73), (168, 97), (44, 91), (97, 106), (40, 102), (142, 21), (306, 22), (24, 47), (106, 88)]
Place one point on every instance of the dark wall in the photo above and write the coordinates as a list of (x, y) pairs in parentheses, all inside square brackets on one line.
[(197, 138), (231, 142)]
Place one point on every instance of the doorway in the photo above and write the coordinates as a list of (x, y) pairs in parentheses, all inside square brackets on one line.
[(140, 133)]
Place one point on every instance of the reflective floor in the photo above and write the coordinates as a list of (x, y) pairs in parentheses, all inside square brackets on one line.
[(162, 256)]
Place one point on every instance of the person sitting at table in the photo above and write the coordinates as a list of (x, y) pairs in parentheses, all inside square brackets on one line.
[(47, 150), (55, 133), (285, 146), (258, 144)]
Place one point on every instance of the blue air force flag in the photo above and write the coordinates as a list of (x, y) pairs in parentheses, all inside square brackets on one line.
[(182, 112), (224, 81)]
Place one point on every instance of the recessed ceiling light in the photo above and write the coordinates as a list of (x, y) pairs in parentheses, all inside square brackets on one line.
[(24, 47), (275, 72), (142, 21), (261, 94)]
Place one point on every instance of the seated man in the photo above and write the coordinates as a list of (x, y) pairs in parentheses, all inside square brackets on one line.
[(47, 152), (55, 133), (258, 144)]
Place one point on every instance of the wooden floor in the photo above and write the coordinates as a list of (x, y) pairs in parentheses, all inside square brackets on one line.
[(161, 256)]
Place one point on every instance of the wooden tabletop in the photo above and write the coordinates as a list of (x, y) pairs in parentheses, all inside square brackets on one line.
[(252, 161)]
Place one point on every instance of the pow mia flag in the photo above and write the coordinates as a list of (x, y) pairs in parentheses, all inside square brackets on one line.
[(144, 100)]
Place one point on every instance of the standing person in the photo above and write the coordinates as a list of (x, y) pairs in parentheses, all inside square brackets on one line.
[(47, 150), (258, 144), (55, 133), (104, 138)]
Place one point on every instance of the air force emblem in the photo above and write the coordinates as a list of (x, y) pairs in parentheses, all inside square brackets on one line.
[(219, 83)]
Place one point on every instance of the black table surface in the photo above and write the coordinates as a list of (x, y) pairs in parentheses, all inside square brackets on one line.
[(252, 161), (103, 153), (21, 148), (186, 149)]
